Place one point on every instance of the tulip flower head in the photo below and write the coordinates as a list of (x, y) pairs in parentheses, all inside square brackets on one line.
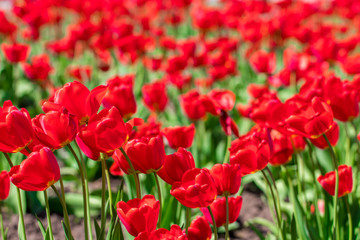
[(345, 181), (139, 215), (199, 229), (4, 185), (26, 175), (196, 189), (180, 136), (15, 128), (218, 207)]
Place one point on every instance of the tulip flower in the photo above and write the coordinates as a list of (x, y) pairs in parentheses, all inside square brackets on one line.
[(227, 178), (332, 135), (175, 165), (105, 132), (199, 229), (120, 94), (175, 233), (80, 73), (224, 99), (251, 152), (345, 181), (37, 172), (15, 52), (147, 155), (311, 120), (180, 136), (15, 128), (263, 62), (196, 106), (139, 215), (4, 185), (154, 96), (55, 129), (196, 189), (218, 207), (284, 146), (38, 69), (77, 99)]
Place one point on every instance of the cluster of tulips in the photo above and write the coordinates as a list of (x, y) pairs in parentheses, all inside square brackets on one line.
[(154, 106)]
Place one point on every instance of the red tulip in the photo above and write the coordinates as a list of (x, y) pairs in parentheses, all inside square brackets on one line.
[(218, 207), (105, 132), (38, 69), (332, 135), (251, 152), (175, 233), (196, 189), (196, 106), (225, 99), (37, 172), (115, 169), (15, 128), (15, 52), (228, 124), (311, 120), (55, 129), (80, 73), (180, 136), (120, 94), (283, 147), (175, 165), (4, 185), (263, 62), (139, 215), (227, 178), (199, 229), (77, 99), (345, 181), (154, 96), (147, 155)]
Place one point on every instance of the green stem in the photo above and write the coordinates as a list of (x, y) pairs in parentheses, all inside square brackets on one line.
[(277, 210), (214, 223), (21, 213), (67, 221), (333, 155), (187, 219), (335, 225), (335, 160), (349, 217), (85, 196), (48, 215), (2, 223), (227, 152), (109, 190), (160, 199), (136, 177), (227, 218), (27, 149), (83, 163), (63, 204), (8, 159), (317, 212), (103, 193)]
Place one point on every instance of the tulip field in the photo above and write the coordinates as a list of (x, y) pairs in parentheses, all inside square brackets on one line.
[(153, 119)]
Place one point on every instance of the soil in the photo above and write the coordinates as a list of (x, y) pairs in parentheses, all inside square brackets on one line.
[(253, 206)]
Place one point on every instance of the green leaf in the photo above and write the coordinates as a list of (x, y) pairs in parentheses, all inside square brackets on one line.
[(41, 226), (256, 230), (271, 226), (47, 235), (66, 231), (97, 229), (293, 228)]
